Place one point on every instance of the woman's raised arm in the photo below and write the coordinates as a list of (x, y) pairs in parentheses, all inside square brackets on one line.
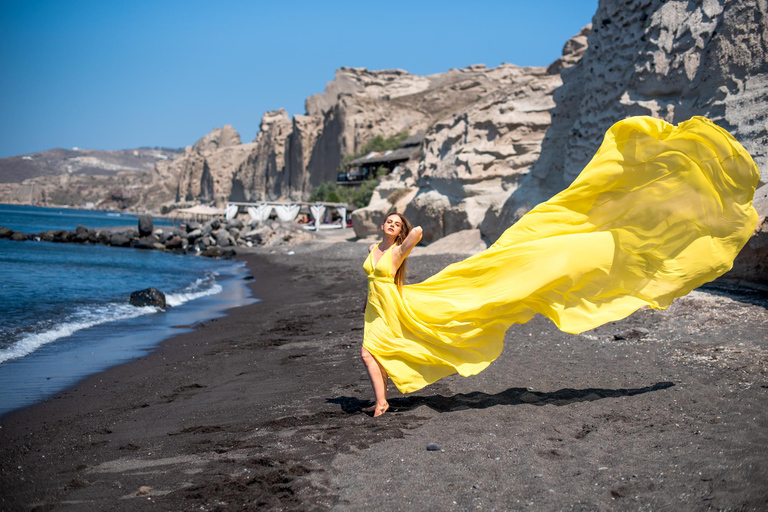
[(401, 252)]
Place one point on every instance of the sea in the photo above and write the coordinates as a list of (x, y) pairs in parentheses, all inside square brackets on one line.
[(64, 308)]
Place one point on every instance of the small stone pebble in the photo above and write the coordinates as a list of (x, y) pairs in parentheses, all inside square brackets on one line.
[(433, 447)]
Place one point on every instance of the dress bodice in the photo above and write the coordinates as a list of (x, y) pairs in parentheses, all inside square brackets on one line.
[(380, 271)]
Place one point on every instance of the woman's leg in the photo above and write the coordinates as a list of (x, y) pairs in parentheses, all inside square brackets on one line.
[(379, 380)]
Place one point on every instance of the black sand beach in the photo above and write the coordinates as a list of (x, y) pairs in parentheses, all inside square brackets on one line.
[(261, 410)]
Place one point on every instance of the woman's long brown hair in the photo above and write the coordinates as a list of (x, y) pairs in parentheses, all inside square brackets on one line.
[(404, 230)]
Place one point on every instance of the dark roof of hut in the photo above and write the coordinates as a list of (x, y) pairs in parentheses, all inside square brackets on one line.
[(407, 151), (393, 155), (413, 140)]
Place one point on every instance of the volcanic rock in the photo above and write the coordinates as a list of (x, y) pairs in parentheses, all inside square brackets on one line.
[(148, 297), (146, 226), (120, 240)]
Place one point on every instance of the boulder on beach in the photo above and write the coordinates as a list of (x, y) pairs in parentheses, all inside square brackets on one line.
[(194, 234), (235, 223), (148, 297), (146, 226)]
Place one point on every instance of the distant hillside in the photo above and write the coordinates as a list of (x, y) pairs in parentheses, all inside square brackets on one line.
[(53, 162)]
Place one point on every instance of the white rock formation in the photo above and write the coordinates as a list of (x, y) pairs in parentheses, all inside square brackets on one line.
[(263, 174), (473, 159), (205, 170), (468, 241), (668, 59)]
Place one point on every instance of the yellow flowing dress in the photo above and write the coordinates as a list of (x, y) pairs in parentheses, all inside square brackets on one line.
[(659, 211)]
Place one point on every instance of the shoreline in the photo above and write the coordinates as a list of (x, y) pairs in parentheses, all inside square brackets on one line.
[(260, 409), (55, 367)]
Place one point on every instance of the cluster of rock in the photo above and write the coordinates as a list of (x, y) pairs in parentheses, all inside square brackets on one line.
[(215, 238)]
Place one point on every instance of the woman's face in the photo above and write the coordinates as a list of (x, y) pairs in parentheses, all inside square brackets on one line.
[(392, 226)]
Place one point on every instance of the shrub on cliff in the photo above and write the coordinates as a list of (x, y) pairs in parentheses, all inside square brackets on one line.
[(332, 193)]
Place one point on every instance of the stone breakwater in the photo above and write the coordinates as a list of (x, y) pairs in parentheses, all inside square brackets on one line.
[(215, 238)]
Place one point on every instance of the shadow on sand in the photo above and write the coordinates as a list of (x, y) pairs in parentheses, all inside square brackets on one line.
[(511, 396), (746, 293)]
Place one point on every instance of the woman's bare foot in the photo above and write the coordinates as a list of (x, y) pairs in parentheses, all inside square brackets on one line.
[(377, 409)]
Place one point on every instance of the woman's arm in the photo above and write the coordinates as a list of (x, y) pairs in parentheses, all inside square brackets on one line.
[(400, 252)]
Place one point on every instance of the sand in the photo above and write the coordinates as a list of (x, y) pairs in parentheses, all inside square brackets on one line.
[(261, 410)]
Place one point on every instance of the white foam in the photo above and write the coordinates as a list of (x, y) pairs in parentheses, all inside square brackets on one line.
[(92, 316), (177, 299), (82, 319)]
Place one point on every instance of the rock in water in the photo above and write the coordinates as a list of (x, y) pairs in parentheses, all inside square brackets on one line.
[(148, 297), (146, 226), (120, 240), (175, 242)]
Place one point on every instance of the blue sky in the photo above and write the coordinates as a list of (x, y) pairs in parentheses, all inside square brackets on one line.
[(108, 74)]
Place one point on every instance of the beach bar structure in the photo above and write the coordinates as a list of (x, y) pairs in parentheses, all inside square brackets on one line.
[(287, 211), (365, 167), (197, 213)]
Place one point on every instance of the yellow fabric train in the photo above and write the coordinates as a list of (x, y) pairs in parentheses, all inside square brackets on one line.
[(659, 210)]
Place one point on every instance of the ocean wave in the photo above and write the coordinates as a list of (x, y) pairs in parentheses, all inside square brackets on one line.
[(81, 319), (91, 316), (177, 299)]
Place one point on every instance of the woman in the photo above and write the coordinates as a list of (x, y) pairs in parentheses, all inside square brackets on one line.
[(659, 211), (398, 240)]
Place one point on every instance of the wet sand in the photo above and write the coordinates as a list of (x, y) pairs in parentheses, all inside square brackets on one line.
[(261, 410)]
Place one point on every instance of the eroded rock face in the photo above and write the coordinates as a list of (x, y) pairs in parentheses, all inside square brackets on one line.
[(206, 169), (668, 59), (475, 158), (394, 193), (263, 174), (292, 157)]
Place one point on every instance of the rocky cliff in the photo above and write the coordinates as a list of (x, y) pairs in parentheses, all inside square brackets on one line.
[(497, 141), (489, 163), (81, 176), (205, 170), (474, 158), (671, 59), (292, 156)]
